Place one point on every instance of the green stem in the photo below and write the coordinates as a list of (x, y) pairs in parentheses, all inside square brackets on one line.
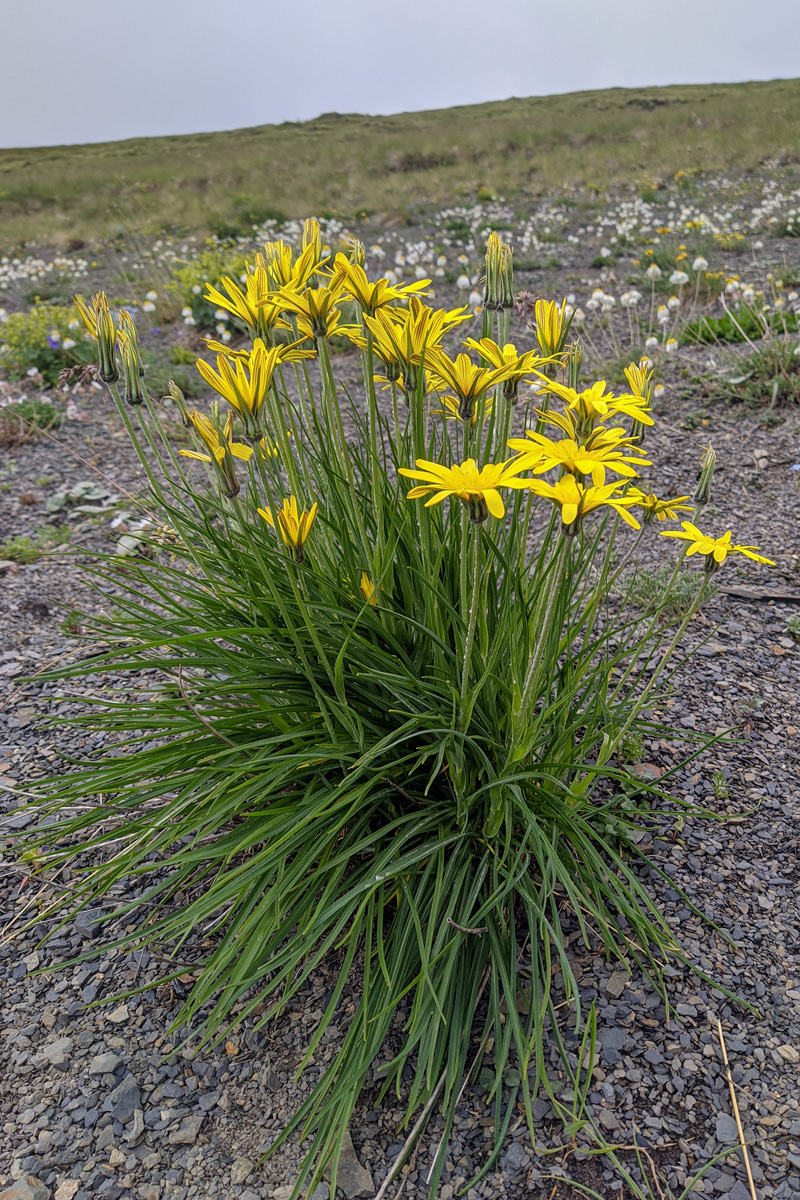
[(474, 608), (543, 621)]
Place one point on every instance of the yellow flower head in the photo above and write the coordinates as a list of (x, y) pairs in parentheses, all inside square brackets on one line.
[(640, 380), (255, 306), (539, 454), (316, 309), (244, 382), (452, 410), (100, 323), (552, 325), (716, 550), (462, 376), (370, 296), (654, 509), (507, 357), (402, 338), (222, 450), (287, 272), (478, 489), (576, 500), (294, 526), (367, 589), (595, 404)]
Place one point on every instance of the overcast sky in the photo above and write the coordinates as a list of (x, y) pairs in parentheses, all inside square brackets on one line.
[(97, 70)]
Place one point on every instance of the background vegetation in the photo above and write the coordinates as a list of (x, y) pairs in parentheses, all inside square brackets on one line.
[(349, 164)]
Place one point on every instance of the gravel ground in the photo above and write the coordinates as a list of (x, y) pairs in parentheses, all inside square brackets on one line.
[(96, 1101)]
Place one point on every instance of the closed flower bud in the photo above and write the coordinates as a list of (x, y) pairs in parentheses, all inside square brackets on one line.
[(499, 286), (178, 399), (702, 493)]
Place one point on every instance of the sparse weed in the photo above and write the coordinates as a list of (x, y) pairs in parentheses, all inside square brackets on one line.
[(24, 421), (653, 591)]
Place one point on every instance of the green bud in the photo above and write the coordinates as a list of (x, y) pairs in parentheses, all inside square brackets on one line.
[(498, 292), (702, 493)]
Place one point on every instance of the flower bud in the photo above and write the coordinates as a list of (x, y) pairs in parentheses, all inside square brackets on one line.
[(131, 368), (178, 399), (702, 493), (358, 252), (498, 290)]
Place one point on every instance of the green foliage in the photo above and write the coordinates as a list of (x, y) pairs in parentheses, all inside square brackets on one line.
[(793, 626), (24, 421), (720, 785), (395, 738), (768, 377), (41, 339), (182, 356), (72, 624), (747, 323), (188, 283), (23, 549), (297, 169), (670, 596)]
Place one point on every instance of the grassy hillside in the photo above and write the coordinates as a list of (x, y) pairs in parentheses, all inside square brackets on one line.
[(342, 164)]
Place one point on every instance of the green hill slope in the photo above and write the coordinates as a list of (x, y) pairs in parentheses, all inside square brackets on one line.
[(348, 163)]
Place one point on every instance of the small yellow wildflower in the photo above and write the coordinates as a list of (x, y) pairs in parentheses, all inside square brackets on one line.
[(255, 306), (244, 382), (478, 489), (466, 380), (222, 449), (576, 500), (367, 589), (370, 296), (538, 453), (316, 309), (716, 550), (595, 404), (552, 325), (654, 509), (294, 526)]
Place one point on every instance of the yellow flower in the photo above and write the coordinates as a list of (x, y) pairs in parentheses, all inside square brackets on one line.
[(595, 404), (100, 323), (370, 296), (538, 453), (654, 509), (367, 589), (244, 382), (294, 526), (552, 325), (286, 272), (478, 489), (716, 550), (315, 309), (452, 410), (287, 351), (467, 381), (256, 306), (640, 378), (402, 338), (507, 356), (222, 449), (576, 500)]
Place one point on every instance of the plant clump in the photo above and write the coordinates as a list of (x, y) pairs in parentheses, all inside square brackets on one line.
[(399, 704)]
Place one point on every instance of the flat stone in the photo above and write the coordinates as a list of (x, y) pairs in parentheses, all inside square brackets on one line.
[(726, 1131), (117, 1157), (320, 1192), (608, 1119), (124, 1100), (240, 1169), (104, 1064), (617, 983), (187, 1131), (352, 1177), (612, 1037), (283, 1192), (119, 1015), (67, 1189), (738, 1192), (136, 1130), (58, 1051), (789, 1054), (27, 1187)]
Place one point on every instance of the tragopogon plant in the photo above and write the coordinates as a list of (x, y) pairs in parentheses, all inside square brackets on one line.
[(395, 725)]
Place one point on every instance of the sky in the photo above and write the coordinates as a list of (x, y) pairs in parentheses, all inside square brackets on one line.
[(76, 71)]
